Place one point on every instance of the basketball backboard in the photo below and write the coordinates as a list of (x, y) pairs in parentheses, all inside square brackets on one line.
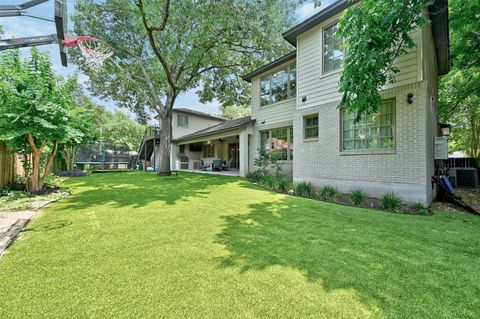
[(59, 18)]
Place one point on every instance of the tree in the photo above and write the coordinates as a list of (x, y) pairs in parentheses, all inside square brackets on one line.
[(375, 32), (34, 111), (81, 129), (119, 128), (234, 112), (460, 89), (164, 48)]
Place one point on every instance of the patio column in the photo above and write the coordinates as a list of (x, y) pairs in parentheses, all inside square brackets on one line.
[(243, 148)]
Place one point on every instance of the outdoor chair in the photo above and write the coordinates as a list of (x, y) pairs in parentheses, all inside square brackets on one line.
[(217, 165), (202, 166), (228, 164)]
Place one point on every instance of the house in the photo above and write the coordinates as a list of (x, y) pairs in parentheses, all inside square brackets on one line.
[(295, 112), (185, 121)]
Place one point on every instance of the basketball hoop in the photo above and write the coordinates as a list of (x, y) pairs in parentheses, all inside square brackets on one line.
[(94, 51)]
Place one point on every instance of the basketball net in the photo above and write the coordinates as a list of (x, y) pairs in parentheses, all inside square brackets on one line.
[(94, 51)]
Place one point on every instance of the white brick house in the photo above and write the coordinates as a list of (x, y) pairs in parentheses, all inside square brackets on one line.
[(391, 151), (295, 112)]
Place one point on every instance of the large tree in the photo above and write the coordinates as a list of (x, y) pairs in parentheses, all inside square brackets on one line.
[(164, 48), (34, 111), (460, 89)]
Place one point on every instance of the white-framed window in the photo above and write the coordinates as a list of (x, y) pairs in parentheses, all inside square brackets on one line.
[(208, 150), (375, 131), (310, 124), (182, 120), (182, 149), (278, 140), (279, 85), (332, 46)]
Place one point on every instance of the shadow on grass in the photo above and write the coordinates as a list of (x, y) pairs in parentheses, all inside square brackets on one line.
[(138, 189), (409, 266), (49, 226)]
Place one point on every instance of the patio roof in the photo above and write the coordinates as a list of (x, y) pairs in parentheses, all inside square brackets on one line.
[(219, 128)]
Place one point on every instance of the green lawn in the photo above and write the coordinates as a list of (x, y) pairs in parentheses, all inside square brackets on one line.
[(128, 245)]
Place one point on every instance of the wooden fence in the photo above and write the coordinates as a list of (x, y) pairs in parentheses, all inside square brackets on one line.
[(7, 166)]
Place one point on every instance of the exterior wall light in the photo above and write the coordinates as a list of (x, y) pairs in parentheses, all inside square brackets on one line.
[(410, 98), (445, 129)]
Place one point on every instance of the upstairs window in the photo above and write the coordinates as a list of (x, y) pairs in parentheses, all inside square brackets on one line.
[(333, 53), (182, 120), (278, 86), (375, 131)]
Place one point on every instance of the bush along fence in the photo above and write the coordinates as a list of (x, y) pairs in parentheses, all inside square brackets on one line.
[(270, 176), (7, 166)]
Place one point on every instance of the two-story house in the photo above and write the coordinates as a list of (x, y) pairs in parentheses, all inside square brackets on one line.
[(295, 112)]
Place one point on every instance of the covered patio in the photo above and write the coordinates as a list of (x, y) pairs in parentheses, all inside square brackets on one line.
[(220, 149)]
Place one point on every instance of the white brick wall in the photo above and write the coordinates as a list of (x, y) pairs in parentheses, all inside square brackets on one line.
[(402, 170)]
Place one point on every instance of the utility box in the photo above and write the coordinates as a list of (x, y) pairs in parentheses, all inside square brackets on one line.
[(441, 148)]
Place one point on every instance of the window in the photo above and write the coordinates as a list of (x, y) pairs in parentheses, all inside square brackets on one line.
[(333, 53), (278, 141), (182, 149), (208, 150), (372, 132), (311, 126), (278, 86), (182, 120)]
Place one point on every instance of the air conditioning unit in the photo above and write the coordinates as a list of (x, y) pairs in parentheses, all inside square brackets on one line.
[(463, 177)]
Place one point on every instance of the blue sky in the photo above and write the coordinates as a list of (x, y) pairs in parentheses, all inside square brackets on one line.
[(25, 26)]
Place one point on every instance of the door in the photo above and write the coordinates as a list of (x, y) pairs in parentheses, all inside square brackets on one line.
[(234, 153)]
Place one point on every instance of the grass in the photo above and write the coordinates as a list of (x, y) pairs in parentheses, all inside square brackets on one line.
[(134, 245)]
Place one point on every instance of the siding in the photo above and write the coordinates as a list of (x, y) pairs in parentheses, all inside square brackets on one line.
[(321, 89), (195, 123)]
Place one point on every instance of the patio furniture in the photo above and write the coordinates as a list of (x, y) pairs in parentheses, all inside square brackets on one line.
[(202, 165), (217, 165), (228, 165)]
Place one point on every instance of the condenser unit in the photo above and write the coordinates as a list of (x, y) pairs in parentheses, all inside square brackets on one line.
[(464, 177)]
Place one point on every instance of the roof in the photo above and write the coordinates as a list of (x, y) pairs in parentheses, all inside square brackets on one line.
[(219, 128), (197, 113), (438, 11), (333, 9), (287, 57)]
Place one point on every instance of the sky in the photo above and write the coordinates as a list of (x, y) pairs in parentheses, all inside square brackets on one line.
[(26, 26)]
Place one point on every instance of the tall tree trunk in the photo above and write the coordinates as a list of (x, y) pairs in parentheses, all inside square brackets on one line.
[(166, 137), (34, 182)]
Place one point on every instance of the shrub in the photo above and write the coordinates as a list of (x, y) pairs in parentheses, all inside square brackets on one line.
[(391, 201), (420, 209), (269, 181), (282, 185), (358, 197), (73, 173), (329, 193), (305, 189), (255, 176)]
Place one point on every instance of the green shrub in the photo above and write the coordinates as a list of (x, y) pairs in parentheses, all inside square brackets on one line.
[(391, 201), (358, 197), (255, 176), (305, 189), (420, 209), (282, 185), (329, 193), (269, 182)]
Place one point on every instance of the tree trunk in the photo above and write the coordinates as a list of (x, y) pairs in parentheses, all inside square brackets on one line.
[(165, 145), (34, 182), (69, 152), (166, 137)]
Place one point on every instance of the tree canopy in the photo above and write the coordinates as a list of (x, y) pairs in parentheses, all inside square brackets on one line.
[(375, 32), (460, 89), (35, 106), (164, 48)]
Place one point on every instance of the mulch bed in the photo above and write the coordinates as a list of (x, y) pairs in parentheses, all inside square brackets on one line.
[(469, 196)]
